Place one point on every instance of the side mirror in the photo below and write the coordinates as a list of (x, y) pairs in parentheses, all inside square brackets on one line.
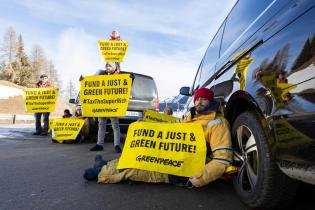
[(184, 91), (72, 101)]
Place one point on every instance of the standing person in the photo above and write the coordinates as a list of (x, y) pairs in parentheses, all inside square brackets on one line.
[(218, 138), (115, 37), (110, 69), (42, 83)]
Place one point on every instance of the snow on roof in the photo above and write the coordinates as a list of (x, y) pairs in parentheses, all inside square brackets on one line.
[(6, 92)]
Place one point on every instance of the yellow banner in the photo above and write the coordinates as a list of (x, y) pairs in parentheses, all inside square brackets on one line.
[(172, 148), (66, 128), (153, 116), (105, 95), (40, 99), (51, 124), (113, 51)]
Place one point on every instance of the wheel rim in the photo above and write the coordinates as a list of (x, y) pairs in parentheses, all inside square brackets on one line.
[(246, 158)]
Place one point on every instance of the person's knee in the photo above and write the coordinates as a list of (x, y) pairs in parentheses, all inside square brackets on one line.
[(115, 125)]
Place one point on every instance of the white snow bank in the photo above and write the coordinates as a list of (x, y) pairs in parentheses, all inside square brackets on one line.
[(6, 92)]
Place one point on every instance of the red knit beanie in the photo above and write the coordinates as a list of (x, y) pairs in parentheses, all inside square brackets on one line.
[(204, 93)]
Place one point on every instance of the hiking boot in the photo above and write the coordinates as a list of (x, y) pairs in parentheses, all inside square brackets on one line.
[(117, 149), (97, 148), (91, 174), (99, 161), (36, 133)]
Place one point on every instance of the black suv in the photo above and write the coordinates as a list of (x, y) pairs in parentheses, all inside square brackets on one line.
[(261, 66)]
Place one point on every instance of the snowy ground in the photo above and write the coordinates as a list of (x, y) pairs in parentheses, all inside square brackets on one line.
[(6, 92)]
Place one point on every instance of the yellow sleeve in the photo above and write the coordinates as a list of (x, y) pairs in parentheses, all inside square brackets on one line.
[(219, 137)]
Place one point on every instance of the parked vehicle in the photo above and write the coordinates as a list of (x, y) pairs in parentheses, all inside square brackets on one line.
[(143, 96), (261, 66)]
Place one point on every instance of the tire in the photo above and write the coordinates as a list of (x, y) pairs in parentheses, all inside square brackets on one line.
[(259, 182)]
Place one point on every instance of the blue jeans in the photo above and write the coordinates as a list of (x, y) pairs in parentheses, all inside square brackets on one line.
[(102, 130), (38, 122)]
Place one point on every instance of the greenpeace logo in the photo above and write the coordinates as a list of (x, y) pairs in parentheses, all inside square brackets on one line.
[(160, 161)]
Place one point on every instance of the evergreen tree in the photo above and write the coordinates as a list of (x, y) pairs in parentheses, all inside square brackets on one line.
[(313, 46), (304, 55), (22, 65), (17, 67)]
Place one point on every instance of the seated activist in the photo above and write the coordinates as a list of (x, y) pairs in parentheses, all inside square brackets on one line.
[(110, 69), (85, 130), (218, 139), (66, 113), (168, 111)]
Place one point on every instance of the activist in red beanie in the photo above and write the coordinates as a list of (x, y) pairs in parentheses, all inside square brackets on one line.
[(204, 93)]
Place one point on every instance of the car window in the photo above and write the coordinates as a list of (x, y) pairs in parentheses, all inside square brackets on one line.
[(211, 56), (240, 18), (143, 88), (197, 79)]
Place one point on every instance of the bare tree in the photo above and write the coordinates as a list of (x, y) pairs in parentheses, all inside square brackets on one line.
[(7, 54), (53, 75), (17, 67), (38, 62), (70, 91)]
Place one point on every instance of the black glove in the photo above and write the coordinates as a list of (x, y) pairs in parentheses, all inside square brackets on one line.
[(81, 78)]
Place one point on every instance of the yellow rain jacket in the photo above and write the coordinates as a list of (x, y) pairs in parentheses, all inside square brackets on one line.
[(85, 130), (109, 174), (218, 136)]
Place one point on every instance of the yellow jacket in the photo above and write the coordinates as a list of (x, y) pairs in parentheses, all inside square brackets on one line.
[(218, 136), (85, 130)]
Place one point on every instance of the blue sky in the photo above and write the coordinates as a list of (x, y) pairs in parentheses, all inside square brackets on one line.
[(167, 39)]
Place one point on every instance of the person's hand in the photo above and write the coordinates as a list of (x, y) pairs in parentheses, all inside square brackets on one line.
[(81, 78), (194, 181)]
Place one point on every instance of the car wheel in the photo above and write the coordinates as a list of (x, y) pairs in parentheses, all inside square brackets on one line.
[(259, 183)]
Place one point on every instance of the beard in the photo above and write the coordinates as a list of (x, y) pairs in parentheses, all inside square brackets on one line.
[(200, 108)]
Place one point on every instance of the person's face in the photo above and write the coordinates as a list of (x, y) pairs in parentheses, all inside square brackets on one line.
[(115, 34), (45, 79), (201, 104), (109, 69), (79, 112), (168, 112)]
